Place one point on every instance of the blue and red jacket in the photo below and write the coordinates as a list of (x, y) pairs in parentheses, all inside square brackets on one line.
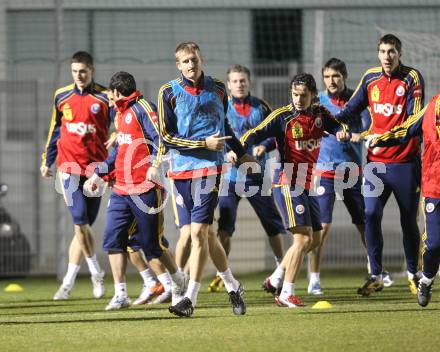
[(427, 123), (138, 145), (391, 100), (188, 114), (243, 115), (333, 152), (298, 136), (78, 129)]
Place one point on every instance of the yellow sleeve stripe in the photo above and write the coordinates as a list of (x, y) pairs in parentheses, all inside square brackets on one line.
[(417, 100), (144, 104), (371, 70), (366, 133), (265, 122), (165, 135), (161, 149), (437, 106), (64, 89), (53, 120), (402, 130)]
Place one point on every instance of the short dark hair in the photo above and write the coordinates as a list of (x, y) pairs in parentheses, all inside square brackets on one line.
[(123, 82), (391, 39), (305, 79), (82, 57), (240, 69), (337, 65)]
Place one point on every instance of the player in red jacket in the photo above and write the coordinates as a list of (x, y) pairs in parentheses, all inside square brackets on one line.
[(136, 199), (298, 129), (426, 122), (393, 92), (77, 136)]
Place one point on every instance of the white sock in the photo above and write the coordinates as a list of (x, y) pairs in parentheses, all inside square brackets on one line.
[(277, 277), (148, 276), (314, 277), (121, 289), (288, 289), (368, 265), (93, 264), (178, 277), (426, 281), (277, 261), (231, 284), (70, 277), (165, 280), (192, 291), (182, 270), (411, 276), (379, 277)]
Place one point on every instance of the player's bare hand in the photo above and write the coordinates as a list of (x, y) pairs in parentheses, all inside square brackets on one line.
[(356, 137), (109, 142), (342, 136), (215, 142), (370, 143), (259, 150), (46, 172), (93, 185), (231, 157), (153, 175)]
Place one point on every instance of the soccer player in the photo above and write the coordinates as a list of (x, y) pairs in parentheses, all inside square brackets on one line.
[(193, 125), (331, 155), (393, 92), (298, 129), (136, 198), (77, 135), (153, 291), (426, 122), (245, 112)]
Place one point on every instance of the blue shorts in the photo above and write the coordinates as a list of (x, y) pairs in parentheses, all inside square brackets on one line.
[(352, 198), (264, 207), (83, 209), (301, 210), (133, 244), (194, 200), (125, 213)]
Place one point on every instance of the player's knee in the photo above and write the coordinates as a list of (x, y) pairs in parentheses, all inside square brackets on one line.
[(373, 214)]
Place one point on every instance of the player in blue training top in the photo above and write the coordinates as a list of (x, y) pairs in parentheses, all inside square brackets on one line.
[(332, 156), (193, 125), (245, 112), (393, 92)]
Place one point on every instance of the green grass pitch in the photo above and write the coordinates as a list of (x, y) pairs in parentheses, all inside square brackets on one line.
[(388, 321)]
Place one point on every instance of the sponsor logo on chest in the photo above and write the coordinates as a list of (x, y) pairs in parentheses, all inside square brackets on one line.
[(124, 138), (387, 109), (309, 144), (80, 128)]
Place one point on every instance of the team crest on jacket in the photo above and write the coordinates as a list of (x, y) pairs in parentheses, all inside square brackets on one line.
[(320, 190), (400, 91), (430, 207), (95, 108), (128, 118), (318, 122), (67, 112), (300, 209), (375, 94), (297, 130)]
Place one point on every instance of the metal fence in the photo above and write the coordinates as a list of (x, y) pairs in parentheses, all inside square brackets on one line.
[(37, 39)]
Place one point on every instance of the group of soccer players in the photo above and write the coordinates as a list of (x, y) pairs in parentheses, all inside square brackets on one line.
[(215, 151)]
